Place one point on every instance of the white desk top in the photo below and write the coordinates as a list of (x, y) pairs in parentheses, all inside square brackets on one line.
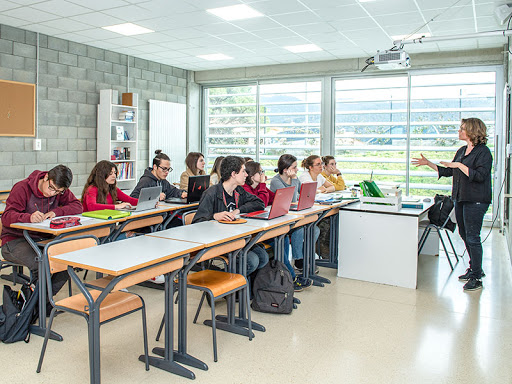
[(402, 212), (208, 233), (278, 221), (149, 212), (314, 210), (128, 255), (176, 206), (86, 222)]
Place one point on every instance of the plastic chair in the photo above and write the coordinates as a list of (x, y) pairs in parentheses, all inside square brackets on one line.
[(114, 305), (439, 229)]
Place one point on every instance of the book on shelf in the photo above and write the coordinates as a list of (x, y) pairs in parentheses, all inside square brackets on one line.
[(127, 116), (121, 153), (125, 171)]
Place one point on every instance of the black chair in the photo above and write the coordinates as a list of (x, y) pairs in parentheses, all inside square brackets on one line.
[(440, 229)]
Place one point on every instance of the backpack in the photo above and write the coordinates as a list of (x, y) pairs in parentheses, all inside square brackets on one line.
[(439, 213), (18, 312), (273, 289)]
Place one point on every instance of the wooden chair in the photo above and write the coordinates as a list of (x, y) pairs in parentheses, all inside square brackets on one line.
[(152, 222), (114, 305)]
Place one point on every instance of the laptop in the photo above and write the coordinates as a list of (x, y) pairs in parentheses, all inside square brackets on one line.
[(196, 186), (306, 197), (148, 199), (280, 206)]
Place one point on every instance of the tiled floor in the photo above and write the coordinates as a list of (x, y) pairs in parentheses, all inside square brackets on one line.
[(347, 332)]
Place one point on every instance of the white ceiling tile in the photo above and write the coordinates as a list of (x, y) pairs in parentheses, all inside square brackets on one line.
[(272, 7), (341, 12), (242, 37), (354, 24), (75, 37), (172, 54), (486, 9), (127, 51), (131, 13), (184, 33), (319, 4), (12, 21), (488, 23), (191, 19), (287, 41), (26, 2), (296, 18), (66, 25), (148, 48), (322, 38), (376, 8), (30, 14), (107, 45), (208, 4), (270, 33), (206, 40), (457, 44), (61, 8), (42, 29), (97, 19), (99, 5), (256, 24), (124, 41), (455, 13), (163, 8), (217, 29), (5, 5), (319, 55), (99, 34), (153, 38), (178, 44), (400, 19), (311, 29)]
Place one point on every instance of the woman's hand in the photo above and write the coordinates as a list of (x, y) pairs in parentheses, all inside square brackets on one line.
[(420, 161), (162, 196), (184, 195), (122, 205), (322, 189), (291, 173), (224, 216)]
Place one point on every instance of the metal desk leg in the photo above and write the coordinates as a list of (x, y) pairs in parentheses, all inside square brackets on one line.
[(168, 362)]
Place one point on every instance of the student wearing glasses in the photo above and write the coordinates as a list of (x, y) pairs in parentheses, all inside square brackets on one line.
[(41, 196), (313, 172), (157, 176)]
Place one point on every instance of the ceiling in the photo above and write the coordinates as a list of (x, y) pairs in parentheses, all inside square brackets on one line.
[(183, 28)]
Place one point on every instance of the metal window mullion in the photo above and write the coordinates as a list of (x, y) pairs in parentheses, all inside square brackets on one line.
[(257, 121), (408, 140)]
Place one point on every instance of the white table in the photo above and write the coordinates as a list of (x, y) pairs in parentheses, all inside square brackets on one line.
[(380, 247)]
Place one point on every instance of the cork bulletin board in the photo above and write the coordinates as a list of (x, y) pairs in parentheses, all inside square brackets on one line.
[(17, 108)]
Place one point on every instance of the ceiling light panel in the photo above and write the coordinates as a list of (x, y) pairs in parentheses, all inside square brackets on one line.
[(215, 57), (235, 12), (128, 29)]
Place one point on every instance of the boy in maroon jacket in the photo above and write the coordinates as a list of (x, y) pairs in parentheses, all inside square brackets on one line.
[(43, 195)]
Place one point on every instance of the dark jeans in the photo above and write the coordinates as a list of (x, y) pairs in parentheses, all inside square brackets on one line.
[(470, 217), (19, 251)]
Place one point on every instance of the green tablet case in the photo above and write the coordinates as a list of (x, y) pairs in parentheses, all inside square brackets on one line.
[(106, 214)]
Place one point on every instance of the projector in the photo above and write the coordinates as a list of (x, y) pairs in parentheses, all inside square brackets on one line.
[(396, 59)]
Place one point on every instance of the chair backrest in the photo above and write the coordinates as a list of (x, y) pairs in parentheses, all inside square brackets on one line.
[(274, 233), (149, 273), (98, 232), (66, 246), (306, 220), (142, 223), (222, 250), (187, 217)]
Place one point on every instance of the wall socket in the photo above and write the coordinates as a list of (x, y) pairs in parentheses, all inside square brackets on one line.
[(36, 145)]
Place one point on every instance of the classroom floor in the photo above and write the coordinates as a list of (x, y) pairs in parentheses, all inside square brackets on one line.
[(347, 332)]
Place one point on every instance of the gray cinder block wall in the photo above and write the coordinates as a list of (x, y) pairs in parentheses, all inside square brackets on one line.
[(70, 78)]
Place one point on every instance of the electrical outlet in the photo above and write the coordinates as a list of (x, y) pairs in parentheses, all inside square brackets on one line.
[(36, 144)]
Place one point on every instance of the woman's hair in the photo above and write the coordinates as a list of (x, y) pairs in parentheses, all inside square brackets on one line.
[(252, 168), (159, 156), (285, 161), (326, 159), (248, 159), (308, 161), (191, 161), (229, 165), (475, 130), (98, 179), (216, 166)]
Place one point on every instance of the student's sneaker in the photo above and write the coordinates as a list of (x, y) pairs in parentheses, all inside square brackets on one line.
[(473, 285), (467, 275), (296, 286), (305, 283), (157, 280)]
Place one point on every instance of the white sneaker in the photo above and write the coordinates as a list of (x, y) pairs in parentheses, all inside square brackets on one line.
[(158, 280)]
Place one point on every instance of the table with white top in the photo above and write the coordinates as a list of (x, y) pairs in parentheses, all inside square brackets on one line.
[(380, 247), (122, 259)]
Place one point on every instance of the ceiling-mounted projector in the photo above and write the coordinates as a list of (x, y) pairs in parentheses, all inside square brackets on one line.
[(391, 59), (502, 13)]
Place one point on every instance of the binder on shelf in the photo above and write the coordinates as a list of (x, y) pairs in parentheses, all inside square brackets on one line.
[(119, 132)]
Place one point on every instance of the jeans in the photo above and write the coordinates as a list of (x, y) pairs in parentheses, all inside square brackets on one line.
[(19, 251), (470, 217), (257, 258)]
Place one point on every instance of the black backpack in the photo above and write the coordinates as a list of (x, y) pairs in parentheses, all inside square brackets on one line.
[(439, 213), (18, 312), (273, 289)]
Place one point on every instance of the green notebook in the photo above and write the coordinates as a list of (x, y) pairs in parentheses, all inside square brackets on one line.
[(106, 214)]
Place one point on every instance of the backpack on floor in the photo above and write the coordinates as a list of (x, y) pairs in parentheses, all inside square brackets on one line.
[(273, 289), (18, 311)]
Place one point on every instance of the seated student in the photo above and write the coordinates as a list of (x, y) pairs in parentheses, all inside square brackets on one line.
[(101, 192), (287, 177), (157, 176), (313, 172), (227, 199), (248, 159), (43, 195), (215, 173), (332, 174), (255, 184), (195, 167)]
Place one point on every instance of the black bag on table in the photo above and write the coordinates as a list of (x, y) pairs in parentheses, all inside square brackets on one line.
[(18, 311), (440, 212), (273, 289)]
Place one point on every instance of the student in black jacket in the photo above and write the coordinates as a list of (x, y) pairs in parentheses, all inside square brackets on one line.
[(471, 192), (156, 176), (227, 199)]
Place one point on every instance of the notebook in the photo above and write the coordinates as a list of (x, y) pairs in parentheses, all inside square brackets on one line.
[(196, 186), (280, 206), (148, 199), (306, 197), (106, 214)]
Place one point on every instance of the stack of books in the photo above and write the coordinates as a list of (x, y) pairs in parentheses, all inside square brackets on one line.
[(127, 115), (120, 153), (125, 171)]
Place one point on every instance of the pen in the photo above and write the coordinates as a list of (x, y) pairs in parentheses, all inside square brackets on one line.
[(36, 206)]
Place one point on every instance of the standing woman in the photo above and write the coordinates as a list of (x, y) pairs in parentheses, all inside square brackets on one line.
[(332, 174), (101, 192), (313, 172), (215, 173), (471, 192), (195, 167)]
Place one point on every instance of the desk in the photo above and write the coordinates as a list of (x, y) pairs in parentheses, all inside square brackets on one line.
[(122, 259), (174, 210), (380, 247)]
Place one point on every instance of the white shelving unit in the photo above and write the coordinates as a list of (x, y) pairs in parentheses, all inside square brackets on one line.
[(107, 143)]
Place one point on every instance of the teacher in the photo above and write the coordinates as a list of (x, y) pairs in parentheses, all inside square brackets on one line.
[(471, 192)]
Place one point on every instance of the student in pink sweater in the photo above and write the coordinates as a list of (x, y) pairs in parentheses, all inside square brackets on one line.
[(255, 182), (101, 192)]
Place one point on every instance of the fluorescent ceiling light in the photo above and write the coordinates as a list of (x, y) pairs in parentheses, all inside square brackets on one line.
[(366, 1), (411, 37), (235, 12), (128, 29), (215, 57), (303, 48)]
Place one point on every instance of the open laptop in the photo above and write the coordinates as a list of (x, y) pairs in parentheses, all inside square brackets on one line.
[(148, 199), (196, 186), (279, 207), (306, 197)]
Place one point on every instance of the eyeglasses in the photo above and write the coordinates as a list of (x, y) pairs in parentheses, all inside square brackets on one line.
[(165, 169), (54, 190)]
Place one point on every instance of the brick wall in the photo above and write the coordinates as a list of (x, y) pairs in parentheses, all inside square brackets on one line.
[(70, 78)]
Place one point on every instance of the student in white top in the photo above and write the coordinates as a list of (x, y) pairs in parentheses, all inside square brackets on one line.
[(313, 172)]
